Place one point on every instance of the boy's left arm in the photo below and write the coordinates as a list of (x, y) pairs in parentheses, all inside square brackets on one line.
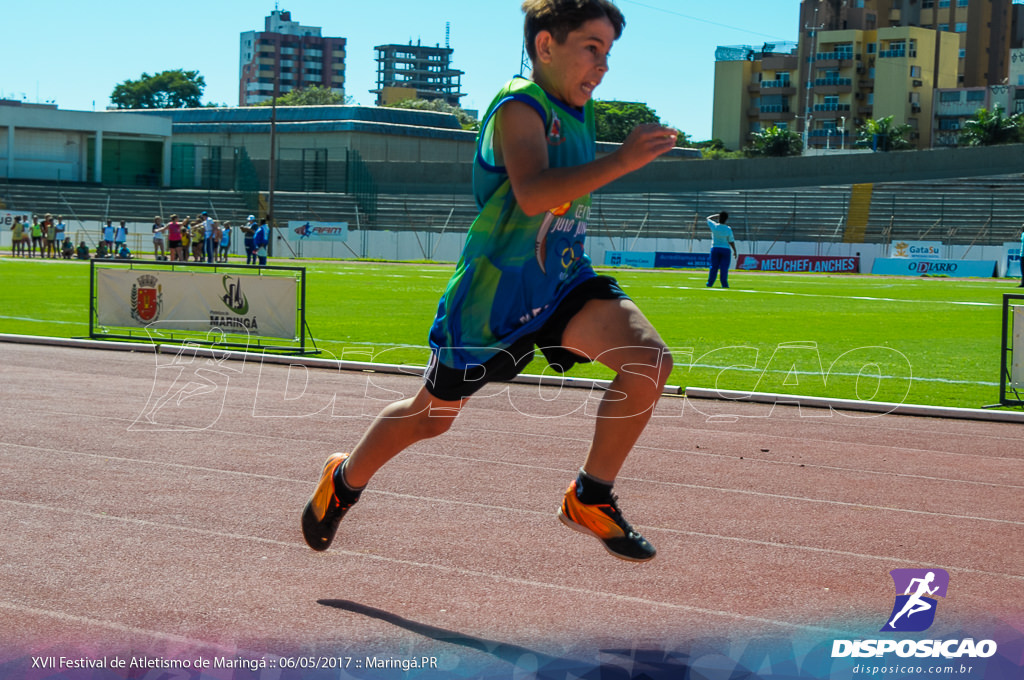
[(522, 140)]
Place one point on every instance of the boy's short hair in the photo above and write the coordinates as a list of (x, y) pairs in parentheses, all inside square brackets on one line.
[(722, 217), (562, 17)]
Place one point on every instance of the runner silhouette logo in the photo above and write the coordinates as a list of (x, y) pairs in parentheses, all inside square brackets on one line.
[(916, 593)]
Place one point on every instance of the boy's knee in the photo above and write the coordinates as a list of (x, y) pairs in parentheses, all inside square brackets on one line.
[(651, 364), (434, 423)]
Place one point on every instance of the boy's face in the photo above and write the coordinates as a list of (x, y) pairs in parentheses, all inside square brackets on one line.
[(573, 69)]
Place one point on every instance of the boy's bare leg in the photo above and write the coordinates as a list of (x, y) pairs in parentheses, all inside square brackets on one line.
[(618, 335), (398, 426)]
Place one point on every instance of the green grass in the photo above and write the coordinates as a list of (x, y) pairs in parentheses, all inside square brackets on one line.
[(932, 341)]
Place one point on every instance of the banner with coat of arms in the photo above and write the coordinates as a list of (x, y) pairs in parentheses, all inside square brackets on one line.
[(198, 301)]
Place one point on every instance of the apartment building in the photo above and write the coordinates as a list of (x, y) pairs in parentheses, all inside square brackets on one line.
[(861, 59), (953, 107), (287, 56), (755, 89)]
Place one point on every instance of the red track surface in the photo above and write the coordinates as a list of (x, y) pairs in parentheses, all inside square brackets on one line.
[(150, 505)]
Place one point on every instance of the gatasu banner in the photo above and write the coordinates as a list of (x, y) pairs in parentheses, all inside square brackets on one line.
[(317, 231), (198, 301), (929, 250)]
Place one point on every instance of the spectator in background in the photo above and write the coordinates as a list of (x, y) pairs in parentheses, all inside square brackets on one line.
[(1021, 285), (198, 239), (174, 237), (722, 240), (108, 236), (209, 237), (123, 253), (225, 242), (249, 230), (67, 248), (158, 238), (61, 230), (26, 235), (260, 241), (17, 232), (120, 236), (37, 238), (102, 251), (83, 251), (49, 237), (186, 238)]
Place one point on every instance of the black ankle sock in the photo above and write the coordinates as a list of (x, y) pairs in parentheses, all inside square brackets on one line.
[(345, 493), (590, 490)]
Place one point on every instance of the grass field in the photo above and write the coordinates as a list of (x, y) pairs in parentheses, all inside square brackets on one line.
[(919, 341)]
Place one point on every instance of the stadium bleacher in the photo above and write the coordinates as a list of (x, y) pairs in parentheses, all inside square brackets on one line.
[(983, 211)]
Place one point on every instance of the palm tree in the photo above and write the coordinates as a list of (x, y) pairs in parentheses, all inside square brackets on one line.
[(775, 141), (882, 135), (987, 128)]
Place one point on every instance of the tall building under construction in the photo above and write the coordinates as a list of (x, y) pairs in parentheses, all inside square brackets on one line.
[(416, 72)]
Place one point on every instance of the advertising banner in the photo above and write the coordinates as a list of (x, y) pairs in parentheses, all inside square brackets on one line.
[(317, 231), (957, 268), (683, 260), (7, 218), (622, 258), (817, 264), (1012, 259), (198, 301), (931, 250)]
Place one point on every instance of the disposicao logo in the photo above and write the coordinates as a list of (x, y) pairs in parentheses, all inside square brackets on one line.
[(914, 611), (916, 592)]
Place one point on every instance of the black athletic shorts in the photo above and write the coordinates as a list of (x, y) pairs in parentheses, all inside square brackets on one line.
[(454, 384)]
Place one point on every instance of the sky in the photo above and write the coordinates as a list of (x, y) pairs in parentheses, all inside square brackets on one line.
[(74, 53)]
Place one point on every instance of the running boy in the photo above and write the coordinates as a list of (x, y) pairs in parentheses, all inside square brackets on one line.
[(524, 280)]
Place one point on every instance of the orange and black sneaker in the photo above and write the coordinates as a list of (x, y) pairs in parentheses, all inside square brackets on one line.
[(323, 512), (605, 522)]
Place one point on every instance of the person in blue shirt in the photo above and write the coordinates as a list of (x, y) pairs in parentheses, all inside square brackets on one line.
[(1021, 284), (260, 240), (722, 240)]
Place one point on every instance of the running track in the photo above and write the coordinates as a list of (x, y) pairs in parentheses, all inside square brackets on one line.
[(149, 507)]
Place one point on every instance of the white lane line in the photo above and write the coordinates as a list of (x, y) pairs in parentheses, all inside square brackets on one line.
[(867, 298), (459, 571)]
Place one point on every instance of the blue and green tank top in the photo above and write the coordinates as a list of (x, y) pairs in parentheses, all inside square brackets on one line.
[(515, 269)]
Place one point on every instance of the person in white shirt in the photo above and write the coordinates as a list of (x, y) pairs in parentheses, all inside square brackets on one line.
[(722, 240)]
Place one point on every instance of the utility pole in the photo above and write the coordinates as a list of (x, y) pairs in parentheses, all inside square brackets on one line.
[(813, 27), (273, 171)]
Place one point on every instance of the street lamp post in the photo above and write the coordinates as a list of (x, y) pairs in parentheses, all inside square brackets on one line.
[(842, 133)]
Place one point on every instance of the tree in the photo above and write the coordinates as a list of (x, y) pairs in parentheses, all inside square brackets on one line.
[(316, 95), (615, 120), (988, 128), (775, 142), (166, 90), (882, 135), (467, 121)]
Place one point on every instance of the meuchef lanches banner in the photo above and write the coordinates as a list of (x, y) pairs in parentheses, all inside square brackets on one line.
[(798, 263), (197, 301)]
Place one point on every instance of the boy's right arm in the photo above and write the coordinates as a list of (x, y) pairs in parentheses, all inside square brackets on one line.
[(522, 142)]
